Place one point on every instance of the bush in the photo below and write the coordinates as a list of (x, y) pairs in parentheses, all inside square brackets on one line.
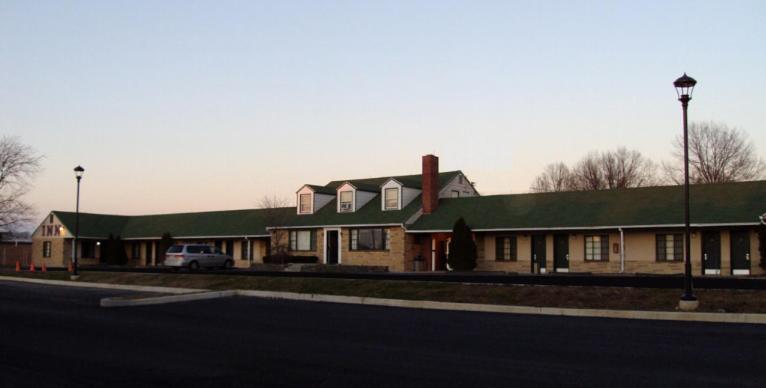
[(287, 259), (462, 248), (114, 251)]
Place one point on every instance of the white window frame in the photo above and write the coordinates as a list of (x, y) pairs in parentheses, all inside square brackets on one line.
[(340, 201), (398, 191), (311, 203), (340, 247)]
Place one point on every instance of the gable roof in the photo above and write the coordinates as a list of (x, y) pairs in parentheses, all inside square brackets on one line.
[(227, 223), (319, 189), (362, 186), (414, 181), (369, 214), (711, 204)]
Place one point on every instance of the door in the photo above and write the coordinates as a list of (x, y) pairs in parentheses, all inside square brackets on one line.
[(711, 253), (740, 253), (561, 253), (332, 247), (538, 253)]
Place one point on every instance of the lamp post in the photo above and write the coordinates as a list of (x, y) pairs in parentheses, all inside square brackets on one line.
[(78, 171), (684, 87)]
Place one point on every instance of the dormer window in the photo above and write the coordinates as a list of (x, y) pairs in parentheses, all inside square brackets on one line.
[(391, 198), (346, 199), (304, 207)]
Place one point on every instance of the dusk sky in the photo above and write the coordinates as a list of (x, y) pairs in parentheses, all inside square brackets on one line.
[(189, 106)]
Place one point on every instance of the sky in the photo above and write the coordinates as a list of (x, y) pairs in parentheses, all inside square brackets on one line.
[(176, 106)]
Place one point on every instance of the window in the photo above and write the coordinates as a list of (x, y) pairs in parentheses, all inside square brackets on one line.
[(194, 249), (304, 206), (597, 248), (455, 194), (136, 254), (301, 240), (670, 247), (88, 249), (377, 239), (505, 248), (346, 201), (46, 249), (460, 179), (391, 199), (176, 249), (50, 218)]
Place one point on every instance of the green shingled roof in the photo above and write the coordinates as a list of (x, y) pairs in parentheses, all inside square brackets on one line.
[(228, 223), (322, 189), (414, 181), (369, 214), (648, 206)]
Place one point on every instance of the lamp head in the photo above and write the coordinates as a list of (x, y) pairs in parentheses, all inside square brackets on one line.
[(685, 86), (78, 171)]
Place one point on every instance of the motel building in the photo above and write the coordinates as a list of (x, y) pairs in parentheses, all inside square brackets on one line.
[(404, 223)]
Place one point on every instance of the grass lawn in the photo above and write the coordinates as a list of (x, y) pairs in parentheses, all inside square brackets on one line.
[(618, 298)]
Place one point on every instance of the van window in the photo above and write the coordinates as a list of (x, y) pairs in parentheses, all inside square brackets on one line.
[(176, 249), (194, 249), (207, 249)]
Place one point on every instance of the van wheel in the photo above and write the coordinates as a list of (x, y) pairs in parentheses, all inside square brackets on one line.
[(228, 264), (193, 266)]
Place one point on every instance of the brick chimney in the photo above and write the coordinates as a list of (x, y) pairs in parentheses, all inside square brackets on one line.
[(430, 183)]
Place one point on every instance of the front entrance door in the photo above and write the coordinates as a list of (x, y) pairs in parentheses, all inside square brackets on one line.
[(332, 247), (740, 253), (538, 253), (711, 253), (561, 253)]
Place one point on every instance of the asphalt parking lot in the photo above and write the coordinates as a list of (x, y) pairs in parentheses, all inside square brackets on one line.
[(59, 336)]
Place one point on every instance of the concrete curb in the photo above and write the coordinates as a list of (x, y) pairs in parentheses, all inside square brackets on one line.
[(190, 294), (122, 302), (127, 287), (490, 308)]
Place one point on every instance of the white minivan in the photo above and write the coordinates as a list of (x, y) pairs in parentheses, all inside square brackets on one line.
[(196, 256)]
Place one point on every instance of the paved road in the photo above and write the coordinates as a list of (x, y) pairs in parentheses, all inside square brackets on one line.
[(59, 336)]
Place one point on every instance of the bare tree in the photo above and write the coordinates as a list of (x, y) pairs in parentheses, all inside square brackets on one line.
[(276, 212), (18, 165), (623, 168), (588, 173), (555, 177), (717, 154), (618, 169)]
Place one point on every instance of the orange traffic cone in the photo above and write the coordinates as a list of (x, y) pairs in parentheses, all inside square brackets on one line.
[(18, 266), (43, 269), (69, 267), (31, 267)]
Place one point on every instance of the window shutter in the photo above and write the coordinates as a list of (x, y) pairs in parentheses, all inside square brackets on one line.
[(605, 247), (499, 245), (660, 247)]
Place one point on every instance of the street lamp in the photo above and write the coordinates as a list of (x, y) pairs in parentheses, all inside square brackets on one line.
[(684, 87), (78, 171)]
